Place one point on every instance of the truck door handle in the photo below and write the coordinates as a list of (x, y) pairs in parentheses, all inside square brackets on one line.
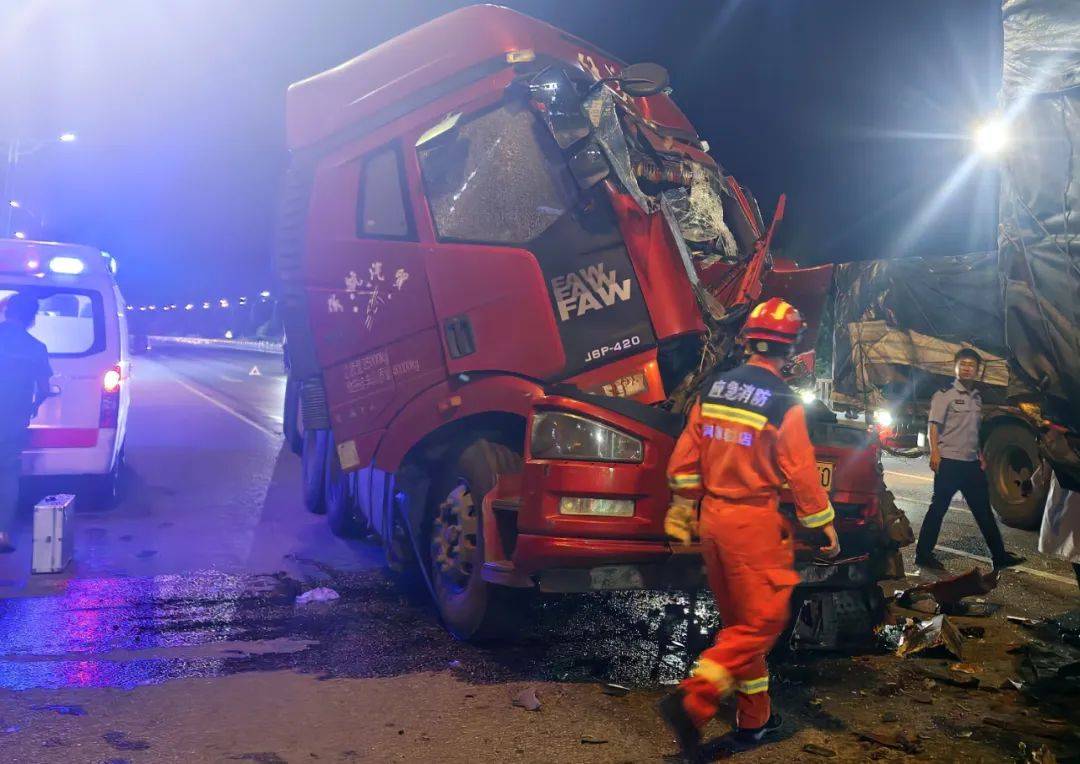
[(459, 336)]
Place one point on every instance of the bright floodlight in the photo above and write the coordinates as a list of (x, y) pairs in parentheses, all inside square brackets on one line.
[(991, 137), (20, 235), (265, 293), (68, 137), (14, 203)]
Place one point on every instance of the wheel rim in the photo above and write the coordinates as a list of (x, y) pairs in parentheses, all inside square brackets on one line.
[(454, 538), (1013, 478)]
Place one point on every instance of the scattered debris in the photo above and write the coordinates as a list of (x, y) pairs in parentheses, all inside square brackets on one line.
[(922, 698), (819, 750), (1041, 756), (1022, 621), (320, 594), (1055, 729), (938, 632), (946, 595), (965, 668), (454, 664), (121, 742), (617, 690), (888, 689), (527, 699), (590, 740), (973, 632), (898, 740), (62, 710), (889, 717)]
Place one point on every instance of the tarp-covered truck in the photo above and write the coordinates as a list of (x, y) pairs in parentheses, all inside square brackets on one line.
[(506, 262), (898, 323)]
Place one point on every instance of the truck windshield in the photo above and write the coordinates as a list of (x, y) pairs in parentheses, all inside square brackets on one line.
[(69, 321), (498, 178)]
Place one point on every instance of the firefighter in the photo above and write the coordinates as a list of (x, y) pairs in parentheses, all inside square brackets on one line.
[(746, 437)]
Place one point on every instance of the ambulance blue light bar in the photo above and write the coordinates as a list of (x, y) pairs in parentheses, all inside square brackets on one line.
[(69, 266)]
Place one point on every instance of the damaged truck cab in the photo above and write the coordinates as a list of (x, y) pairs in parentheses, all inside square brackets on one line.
[(505, 261)]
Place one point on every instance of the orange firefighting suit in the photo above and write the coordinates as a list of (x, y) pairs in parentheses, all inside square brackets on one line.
[(745, 438)]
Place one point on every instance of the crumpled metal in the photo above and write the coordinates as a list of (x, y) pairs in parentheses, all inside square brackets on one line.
[(602, 113)]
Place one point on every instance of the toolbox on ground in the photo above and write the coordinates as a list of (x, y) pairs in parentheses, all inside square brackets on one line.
[(54, 533)]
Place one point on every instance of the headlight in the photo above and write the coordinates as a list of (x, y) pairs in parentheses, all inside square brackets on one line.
[(807, 396), (559, 435), (883, 417)]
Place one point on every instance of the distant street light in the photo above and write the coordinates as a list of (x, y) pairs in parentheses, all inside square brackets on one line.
[(264, 294), (20, 235), (16, 150)]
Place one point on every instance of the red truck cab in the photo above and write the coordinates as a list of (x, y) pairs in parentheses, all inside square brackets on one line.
[(491, 307)]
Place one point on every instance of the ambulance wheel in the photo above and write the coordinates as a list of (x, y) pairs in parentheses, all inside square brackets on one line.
[(1012, 460), (105, 489), (313, 469), (470, 607), (341, 496)]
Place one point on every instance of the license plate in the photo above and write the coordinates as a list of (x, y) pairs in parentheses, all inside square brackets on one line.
[(825, 473)]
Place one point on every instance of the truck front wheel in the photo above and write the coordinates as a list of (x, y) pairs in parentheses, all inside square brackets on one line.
[(1012, 459), (470, 607)]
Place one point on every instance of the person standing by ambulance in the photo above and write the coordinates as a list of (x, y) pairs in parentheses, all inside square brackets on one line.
[(744, 440), (24, 384)]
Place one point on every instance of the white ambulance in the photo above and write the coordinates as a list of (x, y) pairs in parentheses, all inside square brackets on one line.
[(82, 321)]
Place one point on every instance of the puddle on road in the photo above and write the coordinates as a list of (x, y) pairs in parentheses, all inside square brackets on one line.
[(125, 632)]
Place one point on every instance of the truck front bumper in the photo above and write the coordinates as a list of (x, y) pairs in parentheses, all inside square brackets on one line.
[(574, 565)]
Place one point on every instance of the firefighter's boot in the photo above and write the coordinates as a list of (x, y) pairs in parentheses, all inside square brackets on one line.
[(673, 712)]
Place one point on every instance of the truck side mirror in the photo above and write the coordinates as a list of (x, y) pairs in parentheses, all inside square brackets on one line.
[(641, 80)]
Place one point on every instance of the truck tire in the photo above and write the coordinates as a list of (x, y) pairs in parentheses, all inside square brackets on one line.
[(341, 496), (470, 607), (293, 424), (313, 469), (1012, 457)]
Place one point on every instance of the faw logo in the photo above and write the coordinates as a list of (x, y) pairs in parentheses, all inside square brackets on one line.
[(587, 289)]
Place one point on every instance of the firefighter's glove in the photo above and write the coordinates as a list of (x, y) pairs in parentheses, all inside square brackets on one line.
[(681, 523)]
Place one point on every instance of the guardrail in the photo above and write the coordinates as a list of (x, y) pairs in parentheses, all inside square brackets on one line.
[(258, 346)]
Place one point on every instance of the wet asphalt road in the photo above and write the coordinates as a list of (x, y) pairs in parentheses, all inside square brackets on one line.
[(179, 614)]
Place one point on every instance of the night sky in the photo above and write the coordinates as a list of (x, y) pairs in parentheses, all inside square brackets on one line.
[(858, 109)]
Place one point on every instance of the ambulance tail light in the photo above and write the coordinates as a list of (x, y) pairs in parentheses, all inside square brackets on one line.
[(110, 397)]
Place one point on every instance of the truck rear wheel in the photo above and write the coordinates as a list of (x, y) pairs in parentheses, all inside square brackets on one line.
[(341, 495), (1012, 458), (313, 469), (470, 607)]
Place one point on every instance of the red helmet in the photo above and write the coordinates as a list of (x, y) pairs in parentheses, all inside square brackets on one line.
[(774, 321)]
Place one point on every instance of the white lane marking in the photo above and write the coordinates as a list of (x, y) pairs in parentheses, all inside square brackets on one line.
[(226, 408), (1021, 568), (909, 475)]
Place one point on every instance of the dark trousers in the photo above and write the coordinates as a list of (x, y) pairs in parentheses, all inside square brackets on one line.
[(11, 446), (969, 479)]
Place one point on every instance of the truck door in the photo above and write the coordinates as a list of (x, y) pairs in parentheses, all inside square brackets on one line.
[(375, 331)]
